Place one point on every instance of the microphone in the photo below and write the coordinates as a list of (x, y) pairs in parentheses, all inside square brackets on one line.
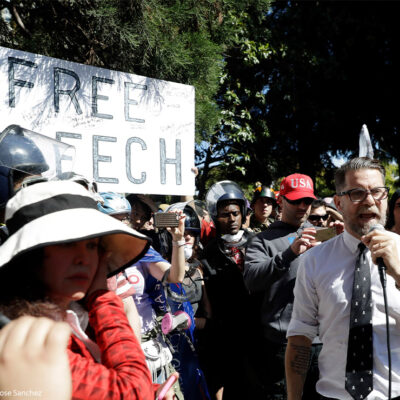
[(379, 260)]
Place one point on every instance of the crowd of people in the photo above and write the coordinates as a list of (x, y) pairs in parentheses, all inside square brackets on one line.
[(231, 298)]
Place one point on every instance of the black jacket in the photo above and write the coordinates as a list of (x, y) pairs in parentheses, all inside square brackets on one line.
[(224, 283), (225, 343), (270, 268)]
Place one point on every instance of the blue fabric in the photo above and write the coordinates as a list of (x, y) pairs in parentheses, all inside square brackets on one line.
[(185, 361), (185, 306), (152, 256)]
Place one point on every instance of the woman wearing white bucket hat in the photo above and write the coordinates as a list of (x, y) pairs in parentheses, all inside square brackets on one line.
[(60, 250)]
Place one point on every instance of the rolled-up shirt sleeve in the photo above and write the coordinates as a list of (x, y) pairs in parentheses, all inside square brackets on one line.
[(304, 321)]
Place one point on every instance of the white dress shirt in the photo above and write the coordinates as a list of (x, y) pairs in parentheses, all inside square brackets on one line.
[(323, 292)]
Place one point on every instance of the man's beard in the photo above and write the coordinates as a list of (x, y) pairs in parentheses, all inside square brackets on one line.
[(364, 229)]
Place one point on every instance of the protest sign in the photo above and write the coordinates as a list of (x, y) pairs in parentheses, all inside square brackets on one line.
[(131, 133)]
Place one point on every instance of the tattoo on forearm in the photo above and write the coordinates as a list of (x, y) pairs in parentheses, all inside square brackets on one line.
[(301, 359)]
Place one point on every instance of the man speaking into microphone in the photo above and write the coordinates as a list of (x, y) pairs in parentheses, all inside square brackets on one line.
[(339, 296)]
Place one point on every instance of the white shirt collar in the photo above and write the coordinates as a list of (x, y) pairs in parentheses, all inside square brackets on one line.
[(351, 242)]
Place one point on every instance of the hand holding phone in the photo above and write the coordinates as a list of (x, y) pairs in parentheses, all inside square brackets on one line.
[(324, 234), (165, 220)]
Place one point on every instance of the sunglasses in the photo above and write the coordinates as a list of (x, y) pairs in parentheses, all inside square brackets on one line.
[(306, 200), (318, 217)]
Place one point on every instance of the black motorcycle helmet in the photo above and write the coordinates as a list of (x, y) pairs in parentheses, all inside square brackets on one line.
[(19, 152), (192, 221), (263, 191), (19, 158), (225, 191)]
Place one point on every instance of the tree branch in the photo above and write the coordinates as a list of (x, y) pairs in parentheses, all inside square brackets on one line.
[(19, 21)]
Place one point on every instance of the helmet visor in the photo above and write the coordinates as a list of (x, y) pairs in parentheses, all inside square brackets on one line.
[(35, 154), (217, 191), (192, 220)]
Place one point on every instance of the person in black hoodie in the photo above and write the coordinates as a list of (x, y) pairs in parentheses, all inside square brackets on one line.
[(270, 271), (224, 340)]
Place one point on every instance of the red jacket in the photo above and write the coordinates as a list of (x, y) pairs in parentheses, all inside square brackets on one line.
[(123, 373)]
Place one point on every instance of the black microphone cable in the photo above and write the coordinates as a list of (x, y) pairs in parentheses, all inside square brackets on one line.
[(382, 277), (383, 281)]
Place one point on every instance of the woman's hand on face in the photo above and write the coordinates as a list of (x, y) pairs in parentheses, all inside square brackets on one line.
[(179, 231), (100, 279)]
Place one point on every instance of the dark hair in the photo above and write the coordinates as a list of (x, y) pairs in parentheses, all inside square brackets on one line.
[(18, 307), (135, 200), (353, 165), (20, 278), (390, 221), (318, 203)]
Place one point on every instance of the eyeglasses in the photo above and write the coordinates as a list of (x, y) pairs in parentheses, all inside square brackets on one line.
[(306, 200), (316, 217), (358, 195)]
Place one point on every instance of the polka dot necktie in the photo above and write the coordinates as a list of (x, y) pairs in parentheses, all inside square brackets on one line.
[(359, 351)]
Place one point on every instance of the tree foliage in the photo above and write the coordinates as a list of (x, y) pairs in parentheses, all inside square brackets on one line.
[(184, 41), (241, 98), (170, 40), (335, 70), (392, 177), (308, 75), (281, 87)]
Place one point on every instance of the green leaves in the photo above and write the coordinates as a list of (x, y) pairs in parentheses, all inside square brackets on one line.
[(280, 86)]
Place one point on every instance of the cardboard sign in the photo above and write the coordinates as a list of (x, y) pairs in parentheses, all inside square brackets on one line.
[(131, 133)]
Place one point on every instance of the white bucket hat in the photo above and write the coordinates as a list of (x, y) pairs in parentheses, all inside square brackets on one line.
[(57, 212)]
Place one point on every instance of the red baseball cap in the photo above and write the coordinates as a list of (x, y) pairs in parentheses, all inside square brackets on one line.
[(297, 186)]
